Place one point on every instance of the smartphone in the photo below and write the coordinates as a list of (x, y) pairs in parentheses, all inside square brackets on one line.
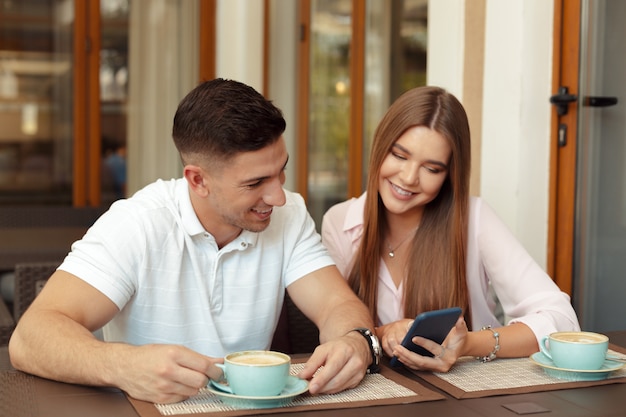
[(434, 325)]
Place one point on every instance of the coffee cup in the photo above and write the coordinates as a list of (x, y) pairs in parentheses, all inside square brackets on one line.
[(582, 351), (255, 373)]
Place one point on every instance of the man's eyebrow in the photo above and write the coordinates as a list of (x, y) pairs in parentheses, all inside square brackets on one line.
[(253, 180)]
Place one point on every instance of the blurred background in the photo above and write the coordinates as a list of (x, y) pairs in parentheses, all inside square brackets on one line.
[(88, 89)]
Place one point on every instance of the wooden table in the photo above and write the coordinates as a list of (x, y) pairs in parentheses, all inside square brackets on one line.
[(54, 399)]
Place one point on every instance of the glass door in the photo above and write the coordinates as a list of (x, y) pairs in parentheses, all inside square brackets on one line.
[(600, 252), (36, 101), (396, 43), (114, 79), (329, 104), (49, 153), (339, 126)]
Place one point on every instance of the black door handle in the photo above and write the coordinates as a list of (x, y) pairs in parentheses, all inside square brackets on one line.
[(562, 99), (598, 101)]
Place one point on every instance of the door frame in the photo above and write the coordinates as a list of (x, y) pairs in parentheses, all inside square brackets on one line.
[(86, 105), (566, 47)]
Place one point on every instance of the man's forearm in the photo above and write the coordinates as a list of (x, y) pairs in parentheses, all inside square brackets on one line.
[(53, 346), (344, 317)]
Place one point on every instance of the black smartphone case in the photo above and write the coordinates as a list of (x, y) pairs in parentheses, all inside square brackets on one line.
[(434, 325)]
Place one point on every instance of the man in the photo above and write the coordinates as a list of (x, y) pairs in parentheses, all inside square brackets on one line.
[(188, 270)]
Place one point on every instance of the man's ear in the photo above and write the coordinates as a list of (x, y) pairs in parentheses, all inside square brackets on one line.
[(195, 177)]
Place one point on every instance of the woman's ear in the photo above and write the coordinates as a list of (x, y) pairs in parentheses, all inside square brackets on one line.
[(195, 177)]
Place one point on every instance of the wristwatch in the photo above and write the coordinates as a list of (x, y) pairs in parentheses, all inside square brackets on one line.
[(375, 348)]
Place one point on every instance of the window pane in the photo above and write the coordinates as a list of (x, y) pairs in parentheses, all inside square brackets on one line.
[(113, 93), (329, 104), (409, 41), (395, 56), (35, 101)]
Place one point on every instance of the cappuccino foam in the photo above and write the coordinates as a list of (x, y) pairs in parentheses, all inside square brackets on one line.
[(585, 338), (256, 359)]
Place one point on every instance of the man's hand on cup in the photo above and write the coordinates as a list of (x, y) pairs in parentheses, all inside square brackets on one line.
[(164, 373)]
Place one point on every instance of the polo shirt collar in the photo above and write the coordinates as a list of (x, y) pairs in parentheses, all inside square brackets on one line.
[(188, 216)]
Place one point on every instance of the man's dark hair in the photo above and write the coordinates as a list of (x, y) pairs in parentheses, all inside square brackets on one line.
[(221, 118)]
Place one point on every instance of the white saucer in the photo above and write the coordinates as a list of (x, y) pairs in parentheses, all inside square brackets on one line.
[(572, 374), (295, 386)]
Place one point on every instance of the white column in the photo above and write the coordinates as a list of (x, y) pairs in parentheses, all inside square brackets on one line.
[(240, 41), (516, 118), (163, 66), (446, 23)]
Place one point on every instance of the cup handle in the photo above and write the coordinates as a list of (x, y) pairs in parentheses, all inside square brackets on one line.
[(218, 384), (543, 348)]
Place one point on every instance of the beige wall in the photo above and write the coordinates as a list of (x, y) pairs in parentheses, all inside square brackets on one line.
[(473, 64)]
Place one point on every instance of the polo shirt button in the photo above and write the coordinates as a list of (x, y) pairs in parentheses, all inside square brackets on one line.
[(206, 234), (243, 244)]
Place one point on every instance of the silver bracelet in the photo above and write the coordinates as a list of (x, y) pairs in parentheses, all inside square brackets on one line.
[(496, 348)]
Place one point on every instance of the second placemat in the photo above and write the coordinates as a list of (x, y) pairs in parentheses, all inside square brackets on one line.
[(470, 378)]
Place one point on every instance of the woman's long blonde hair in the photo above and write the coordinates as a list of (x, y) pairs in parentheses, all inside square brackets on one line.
[(436, 271)]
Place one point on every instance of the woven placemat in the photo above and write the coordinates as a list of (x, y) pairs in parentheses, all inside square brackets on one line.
[(470, 378), (387, 387)]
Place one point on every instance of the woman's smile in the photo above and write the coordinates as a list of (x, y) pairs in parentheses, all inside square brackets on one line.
[(401, 192)]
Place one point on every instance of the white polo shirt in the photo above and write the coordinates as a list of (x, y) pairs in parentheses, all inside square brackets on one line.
[(151, 256)]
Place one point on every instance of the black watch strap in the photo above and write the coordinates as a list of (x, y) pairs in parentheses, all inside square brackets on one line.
[(375, 348)]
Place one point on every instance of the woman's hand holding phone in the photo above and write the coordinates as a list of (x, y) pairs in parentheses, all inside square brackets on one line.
[(445, 354), (431, 329)]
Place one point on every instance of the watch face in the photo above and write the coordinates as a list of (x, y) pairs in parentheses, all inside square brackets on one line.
[(378, 351), (375, 348), (375, 343)]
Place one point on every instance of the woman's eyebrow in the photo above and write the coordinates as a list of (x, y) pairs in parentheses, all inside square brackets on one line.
[(434, 162), (429, 161), (402, 148)]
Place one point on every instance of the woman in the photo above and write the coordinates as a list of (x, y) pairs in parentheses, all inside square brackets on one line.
[(416, 241)]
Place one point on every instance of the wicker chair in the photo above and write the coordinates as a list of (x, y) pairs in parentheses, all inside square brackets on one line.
[(29, 280), (7, 324)]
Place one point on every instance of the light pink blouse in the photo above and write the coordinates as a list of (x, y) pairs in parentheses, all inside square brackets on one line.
[(496, 262)]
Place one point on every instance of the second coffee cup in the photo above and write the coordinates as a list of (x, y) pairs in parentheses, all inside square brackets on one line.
[(582, 351)]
